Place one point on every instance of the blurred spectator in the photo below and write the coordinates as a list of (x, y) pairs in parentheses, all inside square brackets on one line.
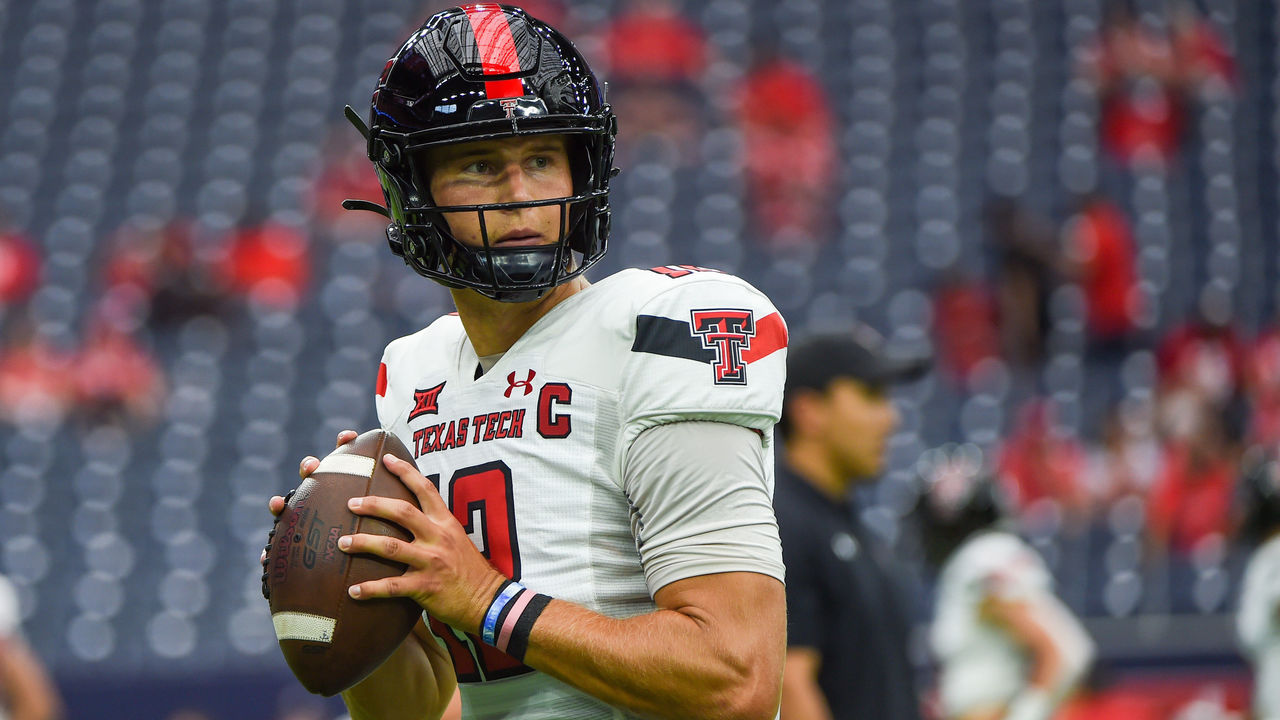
[(1129, 457), (788, 133), (1192, 495), (1263, 382), (116, 379), (1206, 61), (1028, 269), (1100, 250), (1007, 647), (655, 58), (35, 376), (1146, 70), (26, 691), (19, 266), (965, 325), (267, 262), (1136, 75), (1039, 461), (157, 264), (1204, 355)]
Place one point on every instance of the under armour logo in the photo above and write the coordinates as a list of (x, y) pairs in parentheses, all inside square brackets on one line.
[(726, 332), (425, 402), (513, 383)]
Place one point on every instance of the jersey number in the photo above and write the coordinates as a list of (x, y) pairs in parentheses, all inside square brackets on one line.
[(482, 500)]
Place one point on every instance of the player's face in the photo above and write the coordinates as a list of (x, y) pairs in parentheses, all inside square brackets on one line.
[(860, 419), (516, 169)]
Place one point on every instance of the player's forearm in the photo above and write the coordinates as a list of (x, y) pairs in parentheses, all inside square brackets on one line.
[(30, 691), (405, 687), (663, 664)]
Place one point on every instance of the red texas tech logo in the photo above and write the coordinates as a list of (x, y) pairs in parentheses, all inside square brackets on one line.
[(726, 332), (426, 402)]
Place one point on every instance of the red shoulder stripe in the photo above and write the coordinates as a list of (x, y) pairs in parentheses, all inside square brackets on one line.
[(382, 379), (771, 336)]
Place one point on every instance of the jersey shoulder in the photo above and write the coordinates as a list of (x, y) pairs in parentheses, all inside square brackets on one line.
[(408, 358), (10, 612), (444, 331), (695, 340)]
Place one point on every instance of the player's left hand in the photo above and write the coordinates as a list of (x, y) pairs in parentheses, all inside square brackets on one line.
[(446, 574)]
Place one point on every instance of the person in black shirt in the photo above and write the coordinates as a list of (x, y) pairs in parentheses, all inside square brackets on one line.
[(847, 617)]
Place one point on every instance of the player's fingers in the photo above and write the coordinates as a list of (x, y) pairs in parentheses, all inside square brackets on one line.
[(400, 512), (384, 588), (383, 546), (345, 437), (276, 505), (426, 492), (308, 466)]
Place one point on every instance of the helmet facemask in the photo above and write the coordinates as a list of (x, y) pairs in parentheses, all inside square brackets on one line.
[(423, 238)]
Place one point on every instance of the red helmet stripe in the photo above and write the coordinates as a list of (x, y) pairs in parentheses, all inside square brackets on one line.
[(498, 54)]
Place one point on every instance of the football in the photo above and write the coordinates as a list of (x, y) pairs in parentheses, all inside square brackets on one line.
[(329, 640)]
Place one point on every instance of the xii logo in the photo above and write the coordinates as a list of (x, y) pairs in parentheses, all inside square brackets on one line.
[(426, 402), (726, 332)]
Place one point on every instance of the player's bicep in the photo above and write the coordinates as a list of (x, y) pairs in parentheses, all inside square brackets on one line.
[(701, 495)]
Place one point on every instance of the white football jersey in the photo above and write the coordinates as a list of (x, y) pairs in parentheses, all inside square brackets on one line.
[(10, 625), (529, 456), (10, 612), (1258, 627), (981, 666)]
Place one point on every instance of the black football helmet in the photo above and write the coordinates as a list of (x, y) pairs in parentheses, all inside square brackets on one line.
[(957, 498), (1258, 495), (480, 72)]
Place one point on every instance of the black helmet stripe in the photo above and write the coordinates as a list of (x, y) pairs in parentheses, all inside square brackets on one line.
[(497, 49)]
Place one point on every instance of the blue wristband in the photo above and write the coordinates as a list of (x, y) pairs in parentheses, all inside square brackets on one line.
[(508, 591)]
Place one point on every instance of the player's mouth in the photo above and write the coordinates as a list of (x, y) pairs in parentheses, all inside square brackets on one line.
[(518, 238)]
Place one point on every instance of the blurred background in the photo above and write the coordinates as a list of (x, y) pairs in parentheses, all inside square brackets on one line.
[(1071, 203)]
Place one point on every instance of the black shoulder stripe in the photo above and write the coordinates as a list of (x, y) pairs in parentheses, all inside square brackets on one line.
[(664, 336)]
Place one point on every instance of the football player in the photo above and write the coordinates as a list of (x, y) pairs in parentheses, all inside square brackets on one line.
[(26, 692), (1258, 619), (594, 461), (1006, 646)]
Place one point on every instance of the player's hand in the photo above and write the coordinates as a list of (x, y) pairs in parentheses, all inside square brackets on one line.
[(446, 574), (305, 468)]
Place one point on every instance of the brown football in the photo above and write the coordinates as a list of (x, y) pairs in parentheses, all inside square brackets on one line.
[(331, 641)]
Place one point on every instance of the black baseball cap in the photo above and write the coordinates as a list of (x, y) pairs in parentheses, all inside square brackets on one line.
[(859, 353)]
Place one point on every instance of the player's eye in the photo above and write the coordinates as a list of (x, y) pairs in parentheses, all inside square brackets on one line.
[(541, 162), (482, 167)]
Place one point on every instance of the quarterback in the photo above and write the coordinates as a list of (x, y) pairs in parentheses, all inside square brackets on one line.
[(593, 461)]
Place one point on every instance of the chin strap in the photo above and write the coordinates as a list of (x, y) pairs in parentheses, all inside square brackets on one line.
[(356, 120), (366, 205), (350, 204)]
